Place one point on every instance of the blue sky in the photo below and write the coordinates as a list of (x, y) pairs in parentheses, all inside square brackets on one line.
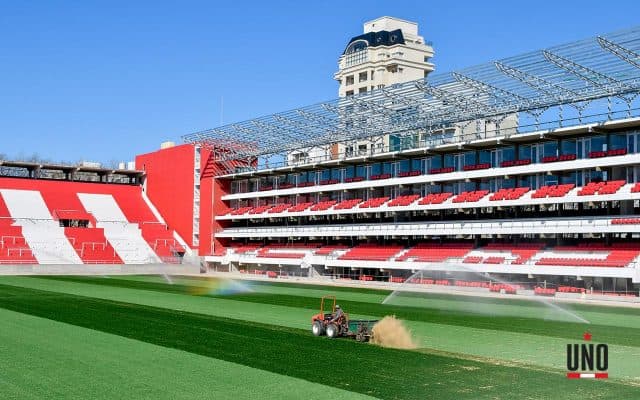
[(107, 80)]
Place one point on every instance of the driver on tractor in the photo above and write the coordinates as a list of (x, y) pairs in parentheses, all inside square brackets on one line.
[(338, 316)]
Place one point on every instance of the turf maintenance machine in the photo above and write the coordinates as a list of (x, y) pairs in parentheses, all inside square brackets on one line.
[(335, 324)]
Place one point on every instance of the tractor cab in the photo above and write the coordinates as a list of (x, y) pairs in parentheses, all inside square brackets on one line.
[(327, 309)]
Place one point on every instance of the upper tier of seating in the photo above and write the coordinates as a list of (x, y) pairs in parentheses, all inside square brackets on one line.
[(347, 204), (260, 209), (553, 191), (435, 198), (470, 197), (608, 187), (279, 208), (509, 194), (374, 202), (550, 191), (300, 207), (403, 200), (323, 205)]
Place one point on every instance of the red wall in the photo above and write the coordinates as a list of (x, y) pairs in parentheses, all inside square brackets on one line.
[(169, 181)]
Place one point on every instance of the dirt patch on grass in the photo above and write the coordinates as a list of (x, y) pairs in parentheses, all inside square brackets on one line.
[(391, 332)]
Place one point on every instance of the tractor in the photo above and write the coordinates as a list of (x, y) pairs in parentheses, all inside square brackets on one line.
[(324, 323)]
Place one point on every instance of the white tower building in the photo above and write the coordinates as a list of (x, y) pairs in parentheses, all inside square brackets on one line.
[(389, 51)]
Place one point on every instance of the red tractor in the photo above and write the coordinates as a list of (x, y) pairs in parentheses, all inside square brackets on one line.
[(326, 323)]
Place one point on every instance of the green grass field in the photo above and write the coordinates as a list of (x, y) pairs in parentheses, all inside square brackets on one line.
[(140, 337)]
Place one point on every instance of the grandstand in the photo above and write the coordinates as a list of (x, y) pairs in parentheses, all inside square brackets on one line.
[(548, 202), (49, 221), (526, 168)]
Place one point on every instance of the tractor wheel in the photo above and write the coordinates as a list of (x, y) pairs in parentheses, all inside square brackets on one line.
[(332, 331), (317, 328)]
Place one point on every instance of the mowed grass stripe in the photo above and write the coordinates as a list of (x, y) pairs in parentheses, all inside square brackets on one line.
[(42, 358), (361, 368), (468, 342), (605, 333)]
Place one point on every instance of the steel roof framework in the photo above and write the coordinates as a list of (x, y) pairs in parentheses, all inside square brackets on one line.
[(575, 74)]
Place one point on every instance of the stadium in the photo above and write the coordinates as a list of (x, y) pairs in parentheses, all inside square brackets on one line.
[(488, 216)]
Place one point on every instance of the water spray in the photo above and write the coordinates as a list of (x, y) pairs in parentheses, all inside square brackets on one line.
[(540, 300)]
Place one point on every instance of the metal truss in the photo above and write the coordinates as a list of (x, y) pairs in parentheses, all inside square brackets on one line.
[(627, 55), (499, 96), (554, 91), (574, 74), (585, 73)]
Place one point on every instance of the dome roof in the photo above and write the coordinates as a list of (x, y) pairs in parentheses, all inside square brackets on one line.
[(374, 39)]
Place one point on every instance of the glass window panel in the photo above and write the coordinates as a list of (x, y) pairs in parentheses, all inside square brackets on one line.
[(376, 169)]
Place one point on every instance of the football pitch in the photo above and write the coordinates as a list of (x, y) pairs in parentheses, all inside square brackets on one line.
[(154, 337)]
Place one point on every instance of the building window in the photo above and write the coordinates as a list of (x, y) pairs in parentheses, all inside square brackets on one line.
[(380, 86), (349, 93), (350, 80), (362, 77), (356, 53), (362, 90)]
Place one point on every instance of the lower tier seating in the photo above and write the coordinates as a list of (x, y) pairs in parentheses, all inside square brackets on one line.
[(92, 246), (13, 246), (373, 252), (433, 252), (592, 255), (531, 254), (161, 240)]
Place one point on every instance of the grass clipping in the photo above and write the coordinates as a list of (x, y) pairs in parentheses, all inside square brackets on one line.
[(391, 332)]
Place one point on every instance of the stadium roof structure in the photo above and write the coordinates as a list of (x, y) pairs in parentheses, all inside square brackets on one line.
[(575, 74)]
